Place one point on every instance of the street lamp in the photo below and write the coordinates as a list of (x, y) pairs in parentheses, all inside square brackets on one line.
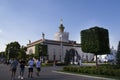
[(9, 50), (61, 48), (8, 53), (54, 56)]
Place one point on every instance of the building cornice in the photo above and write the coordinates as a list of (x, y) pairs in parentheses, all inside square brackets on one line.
[(53, 42)]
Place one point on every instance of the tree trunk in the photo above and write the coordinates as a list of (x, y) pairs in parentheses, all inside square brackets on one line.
[(73, 60), (96, 62)]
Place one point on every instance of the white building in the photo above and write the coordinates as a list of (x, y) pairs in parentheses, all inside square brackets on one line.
[(57, 48), (112, 56), (108, 57)]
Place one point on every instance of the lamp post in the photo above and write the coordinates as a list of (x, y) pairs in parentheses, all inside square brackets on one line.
[(54, 56), (61, 45), (8, 52)]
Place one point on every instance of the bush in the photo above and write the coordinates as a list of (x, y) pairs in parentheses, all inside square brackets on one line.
[(47, 64), (60, 64), (103, 70)]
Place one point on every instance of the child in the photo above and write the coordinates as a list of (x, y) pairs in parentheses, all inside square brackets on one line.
[(22, 68), (14, 65), (38, 66), (30, 64)]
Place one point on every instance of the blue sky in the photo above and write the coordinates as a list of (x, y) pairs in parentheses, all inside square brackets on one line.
[(23, 20)]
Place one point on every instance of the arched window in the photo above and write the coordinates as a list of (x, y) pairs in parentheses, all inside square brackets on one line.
[(30, 51)]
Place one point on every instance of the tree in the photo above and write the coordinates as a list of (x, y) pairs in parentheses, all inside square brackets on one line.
[(95, 40), (2, 54), (22, 52), (118, 55), (12, 50), (67, 57), (70, 56), (44, 50), (40, 50), (37, 50)]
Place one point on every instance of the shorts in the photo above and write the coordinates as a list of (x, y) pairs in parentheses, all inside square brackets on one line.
[(30, 69), (22, 70), (39, 69), (13, 69)]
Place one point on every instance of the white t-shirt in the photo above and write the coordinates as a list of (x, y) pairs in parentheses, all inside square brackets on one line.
[(38, 64), (30, 63)]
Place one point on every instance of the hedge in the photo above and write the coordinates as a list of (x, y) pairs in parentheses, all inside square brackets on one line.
[(105, 71)]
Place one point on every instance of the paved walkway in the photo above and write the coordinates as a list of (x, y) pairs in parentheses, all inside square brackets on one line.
[(47, 73)]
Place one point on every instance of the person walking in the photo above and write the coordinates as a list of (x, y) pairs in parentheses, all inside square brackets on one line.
[(22, 69), (38, 66), (80, 62), (13, 68), (30, 65)]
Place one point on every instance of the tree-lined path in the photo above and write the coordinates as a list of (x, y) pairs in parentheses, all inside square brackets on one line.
[(47, 73)]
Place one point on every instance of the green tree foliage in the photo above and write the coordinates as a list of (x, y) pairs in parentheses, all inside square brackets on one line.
[(2, 54), (118, 55), (12, 50), (22, 52), (40, 50), (37, 50), (69, 56), (95, 40), (44, 50)]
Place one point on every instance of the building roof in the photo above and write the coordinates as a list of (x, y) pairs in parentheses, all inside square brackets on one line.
[(53, 42)]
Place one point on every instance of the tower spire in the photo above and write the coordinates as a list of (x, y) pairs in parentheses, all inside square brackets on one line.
[(61, 21), (61, 27)]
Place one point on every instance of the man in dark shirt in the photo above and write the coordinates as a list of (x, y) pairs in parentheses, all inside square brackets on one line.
[(22, 68)]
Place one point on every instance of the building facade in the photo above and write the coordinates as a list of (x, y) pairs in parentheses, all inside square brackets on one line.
[(57, 48)]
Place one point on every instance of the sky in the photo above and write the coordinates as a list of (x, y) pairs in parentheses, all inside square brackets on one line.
[(24, 20)]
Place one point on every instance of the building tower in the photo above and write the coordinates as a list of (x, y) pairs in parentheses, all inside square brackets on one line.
[(61, 35)]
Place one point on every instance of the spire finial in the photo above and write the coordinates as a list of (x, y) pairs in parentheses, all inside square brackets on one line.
[(61, 21)]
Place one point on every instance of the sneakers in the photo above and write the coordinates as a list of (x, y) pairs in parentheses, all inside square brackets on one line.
[(21, 77), (28, 76), (37, 74)]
